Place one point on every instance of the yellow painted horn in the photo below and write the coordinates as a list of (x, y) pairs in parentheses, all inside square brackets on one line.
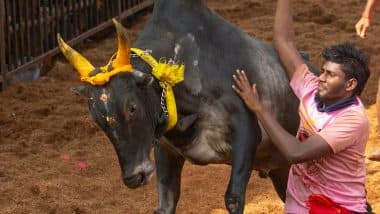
[(122, 55), (81, 64)]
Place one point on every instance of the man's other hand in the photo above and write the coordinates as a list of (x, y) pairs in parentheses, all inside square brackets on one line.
[(362, 27), (245, 91)]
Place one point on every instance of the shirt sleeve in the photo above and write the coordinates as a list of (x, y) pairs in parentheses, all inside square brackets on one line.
[(303, 81), (346, 130)]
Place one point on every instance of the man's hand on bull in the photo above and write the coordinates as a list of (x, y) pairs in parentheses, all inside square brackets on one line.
[(247, 92)]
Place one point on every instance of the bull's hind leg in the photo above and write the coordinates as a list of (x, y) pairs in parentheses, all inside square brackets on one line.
[(246, 138), (168, 168), (279, 179)]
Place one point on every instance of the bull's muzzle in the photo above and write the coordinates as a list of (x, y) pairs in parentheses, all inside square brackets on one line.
[(140, 176)]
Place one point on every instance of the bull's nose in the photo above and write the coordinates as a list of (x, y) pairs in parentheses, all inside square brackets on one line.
[(134, 181), (138, 179)]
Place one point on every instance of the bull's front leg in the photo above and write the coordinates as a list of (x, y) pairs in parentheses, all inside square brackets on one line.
[(168, 168), (246, 138)]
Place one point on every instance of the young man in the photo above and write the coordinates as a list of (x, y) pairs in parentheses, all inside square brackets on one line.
[(361, 30), (328, 164)]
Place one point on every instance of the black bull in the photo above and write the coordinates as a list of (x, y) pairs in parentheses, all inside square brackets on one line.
[(214, 126)]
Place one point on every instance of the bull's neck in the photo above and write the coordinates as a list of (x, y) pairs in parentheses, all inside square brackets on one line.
[(173, 7)]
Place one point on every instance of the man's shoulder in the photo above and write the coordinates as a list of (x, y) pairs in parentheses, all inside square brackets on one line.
[(354, 114)]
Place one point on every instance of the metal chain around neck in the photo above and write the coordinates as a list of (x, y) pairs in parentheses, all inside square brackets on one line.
[(163, 100)]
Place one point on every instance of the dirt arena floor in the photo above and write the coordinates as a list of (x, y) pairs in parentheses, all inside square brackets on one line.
[(54, 159)]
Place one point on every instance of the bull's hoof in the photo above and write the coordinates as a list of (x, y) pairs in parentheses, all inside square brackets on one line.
[(160, 211), (233, 205)]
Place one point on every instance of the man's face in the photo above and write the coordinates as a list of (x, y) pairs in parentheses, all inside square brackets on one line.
[(332, 83)]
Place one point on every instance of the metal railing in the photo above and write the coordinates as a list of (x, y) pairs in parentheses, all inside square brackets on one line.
[(28, 28)]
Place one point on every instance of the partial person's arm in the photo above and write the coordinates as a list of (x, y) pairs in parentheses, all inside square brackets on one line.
[(284, 38), (365, 21), (293, 150)]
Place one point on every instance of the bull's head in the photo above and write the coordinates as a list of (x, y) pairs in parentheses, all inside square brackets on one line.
[(125, 103)]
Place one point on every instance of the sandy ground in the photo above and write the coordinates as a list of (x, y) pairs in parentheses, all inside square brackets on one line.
[(54, 159)]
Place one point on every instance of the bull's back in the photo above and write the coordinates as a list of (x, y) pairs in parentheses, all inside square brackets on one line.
[(225, 48), (220, 48)]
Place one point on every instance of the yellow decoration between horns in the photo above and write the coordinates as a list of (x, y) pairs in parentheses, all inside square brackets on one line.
[(104, 77), (84, 67)]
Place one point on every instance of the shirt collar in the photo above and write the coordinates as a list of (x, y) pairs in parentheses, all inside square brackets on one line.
[(321, 107)]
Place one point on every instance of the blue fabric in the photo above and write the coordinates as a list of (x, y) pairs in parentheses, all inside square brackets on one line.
[(335, 106)]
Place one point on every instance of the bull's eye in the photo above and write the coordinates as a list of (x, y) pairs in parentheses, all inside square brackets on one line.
[(133, 108), (130, 110)]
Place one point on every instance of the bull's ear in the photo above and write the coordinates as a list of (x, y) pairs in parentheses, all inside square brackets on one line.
[(81, 90), (305, 55), (306, 58), (142, 78)]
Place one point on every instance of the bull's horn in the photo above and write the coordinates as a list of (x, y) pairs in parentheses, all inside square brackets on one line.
[(122, 55), (81, 64)]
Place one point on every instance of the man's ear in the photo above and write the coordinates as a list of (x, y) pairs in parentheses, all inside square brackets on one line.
[(351, 84), (81, 90)]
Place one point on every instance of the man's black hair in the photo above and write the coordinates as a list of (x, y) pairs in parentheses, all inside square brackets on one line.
[(353, 61)]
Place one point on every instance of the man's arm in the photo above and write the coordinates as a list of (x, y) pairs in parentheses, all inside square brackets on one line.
[(365, 21), (369, 8), (293, 150), (284, 38)]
